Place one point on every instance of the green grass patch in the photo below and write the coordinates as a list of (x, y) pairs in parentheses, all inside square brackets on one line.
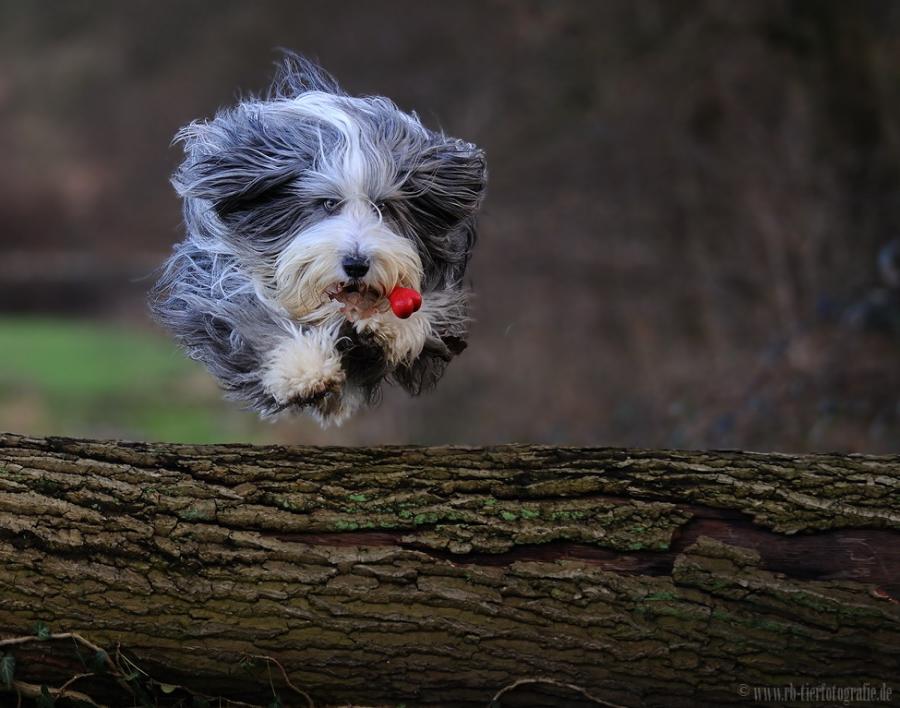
[(84, 359), (82, 378)]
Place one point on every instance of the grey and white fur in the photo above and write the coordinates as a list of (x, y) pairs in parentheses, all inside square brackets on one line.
[(297, 194)]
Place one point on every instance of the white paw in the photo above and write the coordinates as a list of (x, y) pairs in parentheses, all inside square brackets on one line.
[(334, 410), (303, 369), (401, 340)]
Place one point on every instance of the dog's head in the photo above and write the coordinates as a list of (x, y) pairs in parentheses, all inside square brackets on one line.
[(320, 193)]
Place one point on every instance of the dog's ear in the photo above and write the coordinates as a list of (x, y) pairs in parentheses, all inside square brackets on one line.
[(446, 184), (230, 185), (234, 163), (296, 75), (443, 190)]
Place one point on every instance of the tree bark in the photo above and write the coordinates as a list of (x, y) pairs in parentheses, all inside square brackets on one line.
[(442, 576)]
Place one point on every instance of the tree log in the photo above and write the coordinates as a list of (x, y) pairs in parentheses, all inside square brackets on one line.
[(442, 576)]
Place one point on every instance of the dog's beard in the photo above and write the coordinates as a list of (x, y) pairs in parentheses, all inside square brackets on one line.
[(310, 283)]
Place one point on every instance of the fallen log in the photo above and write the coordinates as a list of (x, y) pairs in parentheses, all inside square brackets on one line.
[(165, 574)]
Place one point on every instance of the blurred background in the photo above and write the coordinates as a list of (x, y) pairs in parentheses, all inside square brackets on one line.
[(689, 240)]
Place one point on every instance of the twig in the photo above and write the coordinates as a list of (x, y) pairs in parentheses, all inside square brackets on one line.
[(56, 637), (553, 682), (31, 690), (62, 689), (78, 639), (284, 675), (117, 669)]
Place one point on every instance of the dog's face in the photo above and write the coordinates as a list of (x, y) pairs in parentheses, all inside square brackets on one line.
[(321, 194)]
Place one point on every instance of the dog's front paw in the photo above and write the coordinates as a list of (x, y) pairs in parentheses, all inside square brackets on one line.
[(401, 340), (301, 372)]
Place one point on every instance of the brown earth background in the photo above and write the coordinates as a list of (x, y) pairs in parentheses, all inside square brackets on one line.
[(680, 247)]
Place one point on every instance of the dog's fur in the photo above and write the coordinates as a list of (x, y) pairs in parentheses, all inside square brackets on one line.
[(278, 191)]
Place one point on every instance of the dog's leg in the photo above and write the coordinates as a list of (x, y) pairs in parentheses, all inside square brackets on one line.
[(304, 368), (401, 340), (443, 313)]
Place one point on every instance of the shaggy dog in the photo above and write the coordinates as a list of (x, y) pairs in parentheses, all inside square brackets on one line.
[(306, 211)]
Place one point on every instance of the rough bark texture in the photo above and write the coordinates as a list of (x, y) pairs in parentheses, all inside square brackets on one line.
[(438, 576)]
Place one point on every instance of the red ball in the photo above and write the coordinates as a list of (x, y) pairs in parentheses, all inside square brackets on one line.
[(404, 301)]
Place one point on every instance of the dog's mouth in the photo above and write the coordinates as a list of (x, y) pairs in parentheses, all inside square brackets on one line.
[(358, 299)]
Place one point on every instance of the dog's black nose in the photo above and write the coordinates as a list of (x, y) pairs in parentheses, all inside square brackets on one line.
[(355, 266)]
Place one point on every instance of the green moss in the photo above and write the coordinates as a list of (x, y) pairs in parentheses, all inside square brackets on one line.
[(195, 513), (530, 514), (46, 486), (508, 516), (345, 525), (660, 596), (752, 621), (723, 616), (718, 585), (771, 626), (679, 611), (358, 497), (561, 515)]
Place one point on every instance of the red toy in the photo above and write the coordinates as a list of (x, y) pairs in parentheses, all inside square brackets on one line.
[(404, 301)]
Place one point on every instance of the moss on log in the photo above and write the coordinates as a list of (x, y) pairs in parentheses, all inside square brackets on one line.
[(440, 576)]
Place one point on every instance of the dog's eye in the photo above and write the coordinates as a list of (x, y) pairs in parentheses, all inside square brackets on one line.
[(330, 206)]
